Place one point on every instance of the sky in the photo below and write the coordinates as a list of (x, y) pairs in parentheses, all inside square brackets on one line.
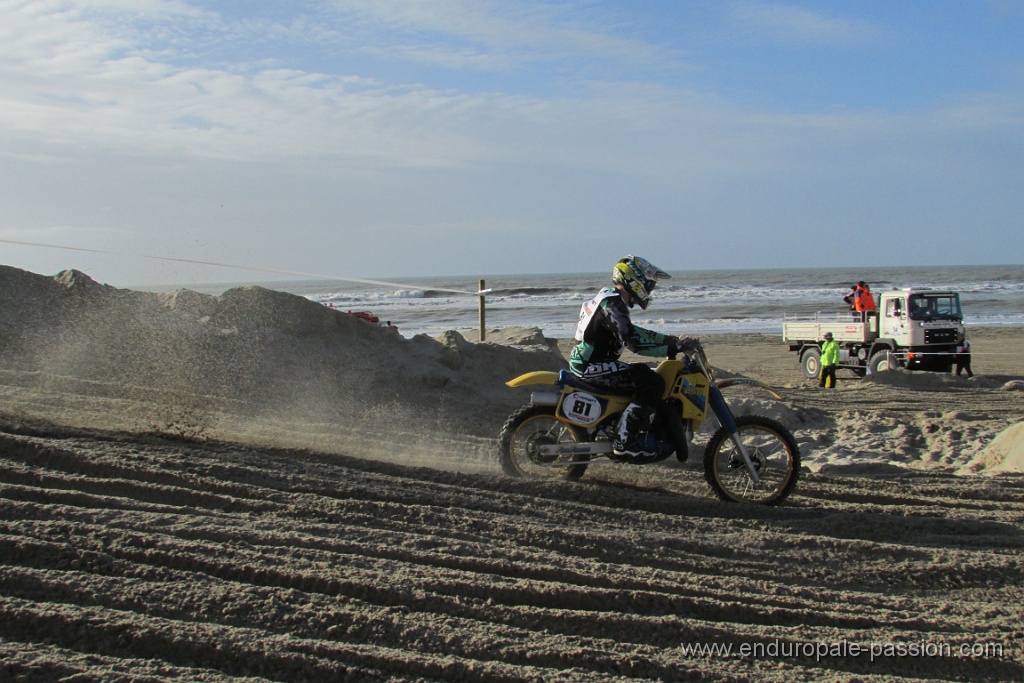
[(400, 138)]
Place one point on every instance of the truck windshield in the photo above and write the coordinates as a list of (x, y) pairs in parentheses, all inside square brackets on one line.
[(928, 307)]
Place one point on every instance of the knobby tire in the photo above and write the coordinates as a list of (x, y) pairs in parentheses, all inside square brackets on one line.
[(770, 444), (529, 427)]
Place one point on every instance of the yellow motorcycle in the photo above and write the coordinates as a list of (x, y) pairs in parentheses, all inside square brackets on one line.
[(563, 430)]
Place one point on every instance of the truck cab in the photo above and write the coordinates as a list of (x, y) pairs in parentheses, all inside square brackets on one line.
[(922, 325)]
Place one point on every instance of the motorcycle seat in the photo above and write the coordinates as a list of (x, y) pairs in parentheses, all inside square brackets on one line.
[(567, 379)]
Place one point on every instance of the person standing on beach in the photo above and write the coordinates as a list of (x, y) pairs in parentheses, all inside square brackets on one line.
[(605, 329), (963, 356), (829, 361)]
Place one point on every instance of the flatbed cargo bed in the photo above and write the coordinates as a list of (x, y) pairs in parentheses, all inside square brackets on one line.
[(842, 326)]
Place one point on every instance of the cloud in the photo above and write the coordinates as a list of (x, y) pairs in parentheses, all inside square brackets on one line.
[(90, 80), (800, 27), (489, 35), (97, 76)]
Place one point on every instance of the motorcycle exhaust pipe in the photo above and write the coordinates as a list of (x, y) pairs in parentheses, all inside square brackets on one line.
[(573, 449), (544, 398)]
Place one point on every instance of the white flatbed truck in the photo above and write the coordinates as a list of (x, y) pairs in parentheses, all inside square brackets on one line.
[(916, 329)]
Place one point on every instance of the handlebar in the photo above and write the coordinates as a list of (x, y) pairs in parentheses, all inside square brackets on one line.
[(698, 356)]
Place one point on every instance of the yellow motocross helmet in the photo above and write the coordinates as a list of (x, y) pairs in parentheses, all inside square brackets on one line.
[(639, 276)]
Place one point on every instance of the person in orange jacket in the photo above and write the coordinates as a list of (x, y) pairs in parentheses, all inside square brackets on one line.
[(863, 301)]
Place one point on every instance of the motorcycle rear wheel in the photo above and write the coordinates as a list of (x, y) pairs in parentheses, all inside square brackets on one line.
[(773, 450), (528, 428)]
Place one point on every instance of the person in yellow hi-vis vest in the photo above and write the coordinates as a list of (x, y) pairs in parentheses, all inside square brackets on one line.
[(829, 361)]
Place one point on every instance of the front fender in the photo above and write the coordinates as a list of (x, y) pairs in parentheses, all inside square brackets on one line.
[(536, 377), (725, 383)]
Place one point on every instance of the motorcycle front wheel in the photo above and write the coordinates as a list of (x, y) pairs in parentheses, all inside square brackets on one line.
[(524, 432), (775, 456)]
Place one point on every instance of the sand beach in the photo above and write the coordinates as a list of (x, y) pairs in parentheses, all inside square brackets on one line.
[(253, 486)]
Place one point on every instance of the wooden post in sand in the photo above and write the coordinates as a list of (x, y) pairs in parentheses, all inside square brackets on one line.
[(483, 315)]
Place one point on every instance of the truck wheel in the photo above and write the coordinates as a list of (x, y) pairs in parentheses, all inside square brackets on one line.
[(811, 362), (880, 362)]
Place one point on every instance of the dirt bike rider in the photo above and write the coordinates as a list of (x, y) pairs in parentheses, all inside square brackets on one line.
[(605, 329)]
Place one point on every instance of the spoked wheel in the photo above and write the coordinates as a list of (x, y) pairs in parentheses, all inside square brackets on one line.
[(525, 431), (773, 452)]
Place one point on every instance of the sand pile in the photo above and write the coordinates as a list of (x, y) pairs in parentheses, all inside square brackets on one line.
[(254, 351), (934, 381), (1004, 454)]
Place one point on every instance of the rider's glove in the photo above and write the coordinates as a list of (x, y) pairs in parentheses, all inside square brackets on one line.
[(687, 345)]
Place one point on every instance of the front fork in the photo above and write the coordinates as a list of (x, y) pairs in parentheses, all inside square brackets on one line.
[(727, 421)]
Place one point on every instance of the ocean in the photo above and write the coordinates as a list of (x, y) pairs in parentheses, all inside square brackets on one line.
[(692, 303)]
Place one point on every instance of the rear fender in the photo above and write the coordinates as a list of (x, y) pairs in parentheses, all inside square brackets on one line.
[(536, 377)]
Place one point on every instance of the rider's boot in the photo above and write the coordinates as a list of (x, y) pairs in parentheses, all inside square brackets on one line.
[(632, 431)]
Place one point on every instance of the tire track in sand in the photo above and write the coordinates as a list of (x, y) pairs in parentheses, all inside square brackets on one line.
[(223, 561)]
